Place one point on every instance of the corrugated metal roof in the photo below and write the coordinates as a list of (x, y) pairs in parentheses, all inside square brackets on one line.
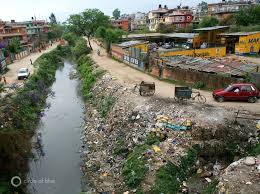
[(169, 35), (181, 35), (240, 33), (219, 66), (211, 28), (130, 43)]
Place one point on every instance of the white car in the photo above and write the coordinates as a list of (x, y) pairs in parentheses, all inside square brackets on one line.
[(23, 73)]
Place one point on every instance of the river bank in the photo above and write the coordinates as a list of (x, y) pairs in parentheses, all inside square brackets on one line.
[(130, 150), (20, 114)]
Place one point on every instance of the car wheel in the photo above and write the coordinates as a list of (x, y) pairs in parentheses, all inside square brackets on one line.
[(220, 99), (252, 99)]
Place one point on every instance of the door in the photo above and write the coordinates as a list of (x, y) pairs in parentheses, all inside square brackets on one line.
[(233, 93)]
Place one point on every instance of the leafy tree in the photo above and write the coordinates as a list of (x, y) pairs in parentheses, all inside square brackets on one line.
[(71, 38), (208, 21), (165, 28), (204, 7), (248, 16), (109, 36), (56, 31), (53, 19), (116, 13), (87, 22), (14, 45), (81, 48)]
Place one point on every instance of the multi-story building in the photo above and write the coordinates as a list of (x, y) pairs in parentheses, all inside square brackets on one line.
[(10, 30), (139, 21), (124, 24), (225, 8), (155, 17), (180, 18)]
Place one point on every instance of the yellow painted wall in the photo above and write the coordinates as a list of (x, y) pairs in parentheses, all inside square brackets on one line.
[(143, 47), (207, 52), (248, 44)]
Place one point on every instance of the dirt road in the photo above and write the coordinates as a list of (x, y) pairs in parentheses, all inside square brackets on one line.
[(11, 75), (130, 76)]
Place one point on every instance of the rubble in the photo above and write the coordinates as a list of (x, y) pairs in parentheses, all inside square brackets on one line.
[(169, 129), (241, 176)]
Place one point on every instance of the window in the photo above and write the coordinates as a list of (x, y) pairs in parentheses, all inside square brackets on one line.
[(246, 88)]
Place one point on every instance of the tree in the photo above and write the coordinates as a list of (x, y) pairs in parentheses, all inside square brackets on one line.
[(165, 28), (248, 16), (116, 13), (109, 36), (81, 48), (208, 21), (53, 19), (14, 46), (56, 31), (71, 38), (87, 22), (204, 7)]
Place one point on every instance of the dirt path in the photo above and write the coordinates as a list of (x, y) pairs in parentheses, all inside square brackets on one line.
[(11, 75), (130, 76)]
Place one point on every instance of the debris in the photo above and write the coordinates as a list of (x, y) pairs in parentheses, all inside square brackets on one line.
[(156, 149), (249, 161), (208, 180)]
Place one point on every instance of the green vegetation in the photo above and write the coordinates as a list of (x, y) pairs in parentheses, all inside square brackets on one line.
[(248, 16), (14, 46), (199, 85), (255, 150), (165, 28), (170, 176), (80, 48), (106, 104), (208, 21), (109, 36), (135, 169), (116, 13), (21, 112), (87, 22), (71, 38)]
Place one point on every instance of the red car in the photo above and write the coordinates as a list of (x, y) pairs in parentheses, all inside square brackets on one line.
[(239, 92)]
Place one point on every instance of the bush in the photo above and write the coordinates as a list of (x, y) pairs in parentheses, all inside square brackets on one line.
[(81, 48), (199, 85)]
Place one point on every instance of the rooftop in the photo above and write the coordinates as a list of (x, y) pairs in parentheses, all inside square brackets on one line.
[(130, 43), (230, 66), (170, 35), (181, 35), (240, 33), (211, 28)]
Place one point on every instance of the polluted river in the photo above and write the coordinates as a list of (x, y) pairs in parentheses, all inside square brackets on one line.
[(55, 168)]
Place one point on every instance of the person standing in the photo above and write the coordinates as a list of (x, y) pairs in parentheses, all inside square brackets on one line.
[(31, 61)]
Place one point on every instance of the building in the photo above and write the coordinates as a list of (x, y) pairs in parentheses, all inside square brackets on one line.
[(180, 19), (155, 17), (10, 30), (124, 24), (131, 52), (224, 9), (139, 21), (242, 43)]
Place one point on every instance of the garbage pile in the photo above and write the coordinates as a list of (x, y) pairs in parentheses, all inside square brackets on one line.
[(130, 122), (242, 176)]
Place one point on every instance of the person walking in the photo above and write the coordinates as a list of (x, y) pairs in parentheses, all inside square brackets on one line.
[(31, 61)]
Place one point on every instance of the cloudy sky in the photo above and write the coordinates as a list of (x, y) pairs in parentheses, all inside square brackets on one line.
[(25, 9)]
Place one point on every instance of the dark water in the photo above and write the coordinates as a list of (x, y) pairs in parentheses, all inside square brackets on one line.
[(56, 169)]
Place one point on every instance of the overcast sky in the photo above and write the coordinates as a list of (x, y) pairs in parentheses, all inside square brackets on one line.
[(25, 9)]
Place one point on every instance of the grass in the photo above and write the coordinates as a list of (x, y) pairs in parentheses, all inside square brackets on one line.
[(106, 104), (135, 169), (211, 188), (254, 150), (170, 176)]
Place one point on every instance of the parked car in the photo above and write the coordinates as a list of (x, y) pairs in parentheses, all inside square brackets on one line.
[(238, 92), (23, 73), (167, 46)]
